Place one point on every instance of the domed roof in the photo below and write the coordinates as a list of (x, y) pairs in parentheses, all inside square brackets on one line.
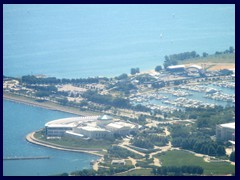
[(105, 117)]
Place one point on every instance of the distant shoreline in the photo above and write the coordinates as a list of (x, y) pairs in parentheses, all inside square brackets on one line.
[(46, 105)]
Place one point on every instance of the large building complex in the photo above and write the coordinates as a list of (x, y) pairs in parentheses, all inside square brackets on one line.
[(89, 127), (225, 132)]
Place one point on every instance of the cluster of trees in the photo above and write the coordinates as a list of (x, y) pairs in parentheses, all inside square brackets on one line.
[(43, 88), (227, 51), (106, 99), (159, 84), (147, 140), (180, 131), (124, 87), (30, 79), (174, 58), (134, 71), (141, 108), (232, 156), (118, 152), (122, 76), (158, 68), (197, 142), (200, 145), (157, 140), (225, 72), (43, 93), (145, 78), (85, 172), (63, 101), (46, 91), (204, 54), (102, 171), (177, 171), (142, 142), (207, 117)]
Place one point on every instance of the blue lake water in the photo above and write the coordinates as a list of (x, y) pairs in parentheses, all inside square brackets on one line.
[(18, 121), (106, 40)]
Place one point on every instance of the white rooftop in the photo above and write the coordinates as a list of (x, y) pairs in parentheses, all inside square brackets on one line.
[(228, 125), (195, 66), (119, 125), (105, 117), (70, 122), (232, 142), (62, 125), (176, 66), (91, 128), (73, 133)]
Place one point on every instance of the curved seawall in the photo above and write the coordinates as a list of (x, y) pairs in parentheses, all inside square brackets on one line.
[(30, 138)]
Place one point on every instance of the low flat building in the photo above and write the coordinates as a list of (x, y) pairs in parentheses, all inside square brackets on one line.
[(95, 127), (225, 132), (118, 162), (57, 128), (121, 128), (93, 132), (176, 68)]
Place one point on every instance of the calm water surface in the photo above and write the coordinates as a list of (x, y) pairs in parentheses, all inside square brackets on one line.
[(18, 121), (107, 40)]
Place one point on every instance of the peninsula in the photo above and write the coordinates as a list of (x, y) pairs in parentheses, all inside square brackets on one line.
[(136, 122)]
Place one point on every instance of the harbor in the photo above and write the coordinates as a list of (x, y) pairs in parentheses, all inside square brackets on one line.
[(168, 99)]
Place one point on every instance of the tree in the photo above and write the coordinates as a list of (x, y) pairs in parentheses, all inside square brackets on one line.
[(122, 76), (147, 156), (205, 54), (231, 49), (166, 58), (83, 103), (158, 68), (221, 150), (135, 71), (42, 93), (64, 174), (232, 156), (193, 54), (63, 101)]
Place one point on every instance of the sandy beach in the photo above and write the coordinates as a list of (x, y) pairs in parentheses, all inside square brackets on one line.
[(46, 105)]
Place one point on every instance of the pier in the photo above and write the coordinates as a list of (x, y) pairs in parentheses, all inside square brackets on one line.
[(26, 158)]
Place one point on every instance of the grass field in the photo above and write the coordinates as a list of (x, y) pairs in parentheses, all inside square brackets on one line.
[(79, 143), (180, 158)]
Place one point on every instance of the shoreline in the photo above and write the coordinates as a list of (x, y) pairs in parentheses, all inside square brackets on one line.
[(30, 138), (46, 105)]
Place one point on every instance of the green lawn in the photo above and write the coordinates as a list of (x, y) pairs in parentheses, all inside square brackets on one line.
[(180, 158), (79, 143), (137, 172), (128, 162)]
